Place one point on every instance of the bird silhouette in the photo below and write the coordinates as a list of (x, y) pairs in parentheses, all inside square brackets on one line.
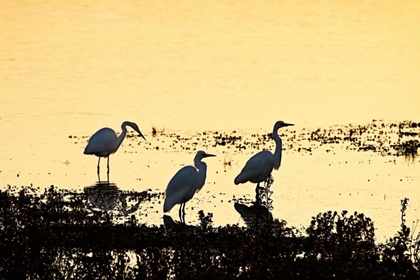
[(105, 142), (185, 183), (259, 167)]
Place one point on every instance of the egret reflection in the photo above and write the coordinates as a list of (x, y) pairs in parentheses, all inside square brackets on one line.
[(410, 149), (107, 196), (168, 221), (254, 215)]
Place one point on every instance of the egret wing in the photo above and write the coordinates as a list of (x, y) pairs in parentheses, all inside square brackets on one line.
[(180, 188), (257, 168), (102, 143)]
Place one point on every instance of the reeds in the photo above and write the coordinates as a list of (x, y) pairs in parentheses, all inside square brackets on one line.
[(57, 234)]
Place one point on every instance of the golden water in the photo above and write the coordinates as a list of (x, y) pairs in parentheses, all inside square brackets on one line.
[(72, 67)]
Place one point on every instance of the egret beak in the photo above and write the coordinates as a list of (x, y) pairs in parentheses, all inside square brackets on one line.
[(141, 135), (209, 155), (288, 124)]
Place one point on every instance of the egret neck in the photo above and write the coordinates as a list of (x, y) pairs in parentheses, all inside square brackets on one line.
[(278, 151), (202, 170), (121, 137)]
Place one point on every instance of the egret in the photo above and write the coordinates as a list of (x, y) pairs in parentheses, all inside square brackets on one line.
[(105, 141), (259, 167), (186, 182)]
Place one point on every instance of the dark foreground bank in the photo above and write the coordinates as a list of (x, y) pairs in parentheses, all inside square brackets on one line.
[(56, 234)]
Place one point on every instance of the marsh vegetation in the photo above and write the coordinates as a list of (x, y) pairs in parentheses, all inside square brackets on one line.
[(59, 234)]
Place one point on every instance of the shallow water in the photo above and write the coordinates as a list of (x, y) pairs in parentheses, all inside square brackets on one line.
[(71, 68), (314, 176)]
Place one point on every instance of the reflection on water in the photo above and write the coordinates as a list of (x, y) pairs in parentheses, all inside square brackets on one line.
[(212, 74), (168, 221), (254, 215), (99, 176), (350, 167), (257, 216), (103, 195), (263, 193), (260, 210), (107, 197), (410, 150)]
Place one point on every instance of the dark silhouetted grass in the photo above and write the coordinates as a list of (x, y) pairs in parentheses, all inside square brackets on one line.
[(57, 234)]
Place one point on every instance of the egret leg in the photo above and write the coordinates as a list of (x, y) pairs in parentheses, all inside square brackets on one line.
[(180, 212), (257, 187), (267, 192), (97, 168), (258, 193), (108, 165), (183, 213)]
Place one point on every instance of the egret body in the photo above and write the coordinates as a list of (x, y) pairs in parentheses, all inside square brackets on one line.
[(105, 141), (186, 182), (259, 166)]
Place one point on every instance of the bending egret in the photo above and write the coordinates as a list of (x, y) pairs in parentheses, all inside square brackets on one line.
[(259, 167), (186, 182), (105, 142)]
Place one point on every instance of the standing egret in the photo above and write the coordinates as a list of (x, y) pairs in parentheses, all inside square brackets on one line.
[(186, 182), (259, 167), (105, 141)]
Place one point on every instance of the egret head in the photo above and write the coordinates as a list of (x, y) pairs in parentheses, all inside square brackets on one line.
[(280, 124), (201, 154), (135, 127)]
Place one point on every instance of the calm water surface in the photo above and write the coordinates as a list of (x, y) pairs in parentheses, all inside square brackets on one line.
[(71, 68)]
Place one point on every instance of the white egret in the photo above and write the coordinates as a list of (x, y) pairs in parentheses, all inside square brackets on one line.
[(186, 182), (105, 141), (259, 166)]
